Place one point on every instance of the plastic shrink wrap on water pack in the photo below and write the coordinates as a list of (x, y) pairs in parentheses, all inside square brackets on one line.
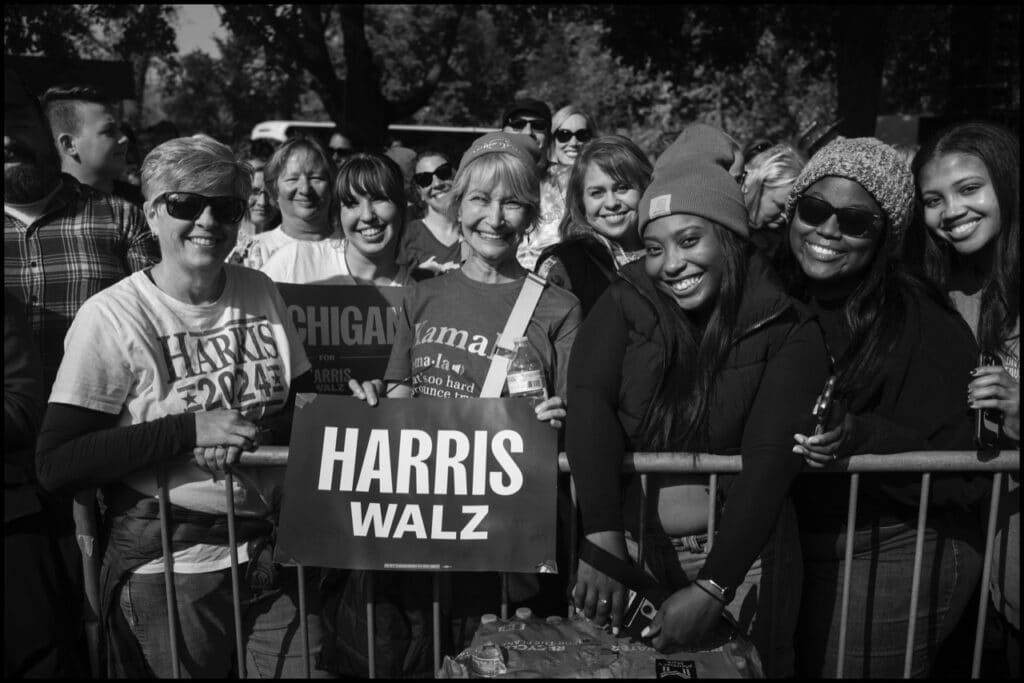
[(574, 648)]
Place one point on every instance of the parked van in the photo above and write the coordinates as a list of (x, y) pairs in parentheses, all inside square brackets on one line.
[(452, 140)]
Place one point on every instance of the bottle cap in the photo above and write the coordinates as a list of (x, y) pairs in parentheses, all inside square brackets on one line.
[(524, 613), (488, 618)]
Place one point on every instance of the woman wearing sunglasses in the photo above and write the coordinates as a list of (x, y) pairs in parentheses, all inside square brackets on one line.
[(298, 180), (901, 358), (571, 128), (370, 200), (169, 375), (696, 348), (431, 242), (598, 234)]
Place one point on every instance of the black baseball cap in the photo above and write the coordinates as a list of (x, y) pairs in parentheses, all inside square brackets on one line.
[(527, 106)]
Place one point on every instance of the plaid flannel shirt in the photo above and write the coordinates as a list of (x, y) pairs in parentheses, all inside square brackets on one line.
[(85, 241)]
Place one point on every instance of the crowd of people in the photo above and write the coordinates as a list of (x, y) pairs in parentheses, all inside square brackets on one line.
[(700, 303)]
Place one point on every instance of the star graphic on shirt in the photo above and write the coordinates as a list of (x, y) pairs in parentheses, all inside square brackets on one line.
[(190, 398)]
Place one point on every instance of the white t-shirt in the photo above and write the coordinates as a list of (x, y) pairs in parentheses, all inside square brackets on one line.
[(318, 263), (134, 351), (264, 245)]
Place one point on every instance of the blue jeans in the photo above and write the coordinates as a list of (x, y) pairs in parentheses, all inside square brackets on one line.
[(880, 588), (766, 604), (270, 624)]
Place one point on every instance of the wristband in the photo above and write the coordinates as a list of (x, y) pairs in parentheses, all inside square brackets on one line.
[(718, 598)]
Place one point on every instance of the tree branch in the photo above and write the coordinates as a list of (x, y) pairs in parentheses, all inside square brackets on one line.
[(421, 95)]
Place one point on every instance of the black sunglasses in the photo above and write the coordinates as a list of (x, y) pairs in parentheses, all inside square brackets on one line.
[(188, 206), (539, 125), (340, 152), (852, 222), (443, 172), (563, 135)]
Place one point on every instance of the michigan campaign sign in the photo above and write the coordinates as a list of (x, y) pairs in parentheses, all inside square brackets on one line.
[(347, 330), (431, 484)]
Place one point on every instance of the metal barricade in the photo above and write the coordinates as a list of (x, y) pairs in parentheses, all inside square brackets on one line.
[(924, 462)]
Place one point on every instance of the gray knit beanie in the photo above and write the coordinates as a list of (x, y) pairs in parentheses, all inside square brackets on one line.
[(692, 177), (873, 165)]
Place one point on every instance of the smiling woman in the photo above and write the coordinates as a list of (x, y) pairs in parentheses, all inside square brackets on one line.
[(598, 234), (695, 348), (901, 358), (169, 375)]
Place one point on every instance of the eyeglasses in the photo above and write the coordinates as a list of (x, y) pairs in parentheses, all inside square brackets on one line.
[(852, 222), (188, 206), (538, 125), (340, 152), (583, 135), (443, 172)]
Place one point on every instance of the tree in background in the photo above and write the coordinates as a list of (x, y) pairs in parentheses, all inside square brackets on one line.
[(138, 34), (332, 44)]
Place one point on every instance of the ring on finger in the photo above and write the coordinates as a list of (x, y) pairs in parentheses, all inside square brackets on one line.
[(603, 601)]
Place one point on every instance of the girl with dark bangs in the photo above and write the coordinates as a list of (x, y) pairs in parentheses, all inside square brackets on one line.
[(369, 205), (694, 348), (901, 356)]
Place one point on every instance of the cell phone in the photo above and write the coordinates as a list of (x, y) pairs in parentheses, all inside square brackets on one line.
[(823, 406), (987, 421)]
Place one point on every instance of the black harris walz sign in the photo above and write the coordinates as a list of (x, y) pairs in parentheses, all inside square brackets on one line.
[(429, 484), (347, 330)]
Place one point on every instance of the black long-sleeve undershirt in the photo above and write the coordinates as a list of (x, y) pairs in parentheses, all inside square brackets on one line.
[(80, 448)]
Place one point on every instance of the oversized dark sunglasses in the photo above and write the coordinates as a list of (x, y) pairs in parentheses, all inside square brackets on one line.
[(443, 172), (563, 135), (188, 206), (538, 125), (341, 152), (852, 222)]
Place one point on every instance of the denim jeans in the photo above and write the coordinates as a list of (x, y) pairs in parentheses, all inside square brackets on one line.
[(765, 606), (880, 589), (206, 648)]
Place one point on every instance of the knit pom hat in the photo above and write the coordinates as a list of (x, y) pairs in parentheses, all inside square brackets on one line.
[(692, 177), (519, 145), (873, 165)]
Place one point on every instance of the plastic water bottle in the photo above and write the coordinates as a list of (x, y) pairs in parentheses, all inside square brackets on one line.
[(526, 373)]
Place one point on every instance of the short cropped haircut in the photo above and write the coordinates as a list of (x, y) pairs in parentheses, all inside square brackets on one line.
[(372, 175), (193, 164), (299, 145), (491, 170), (60, 104), (620, 159)]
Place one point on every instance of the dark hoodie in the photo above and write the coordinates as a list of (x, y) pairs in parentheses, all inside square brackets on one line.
[(763, 394)]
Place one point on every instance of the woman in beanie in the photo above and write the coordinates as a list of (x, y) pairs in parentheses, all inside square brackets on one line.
[(969, 182), (493, 199), (598, 234), (695, 348), (901, 358)]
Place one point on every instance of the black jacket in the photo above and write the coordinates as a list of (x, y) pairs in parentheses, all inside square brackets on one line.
[(763, 393), (586, 268)]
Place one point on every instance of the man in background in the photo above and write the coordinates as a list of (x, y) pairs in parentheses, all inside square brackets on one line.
[(91, 143), (63, 241)]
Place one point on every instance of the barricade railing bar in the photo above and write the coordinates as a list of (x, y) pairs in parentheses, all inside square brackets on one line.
[(644, 464)]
